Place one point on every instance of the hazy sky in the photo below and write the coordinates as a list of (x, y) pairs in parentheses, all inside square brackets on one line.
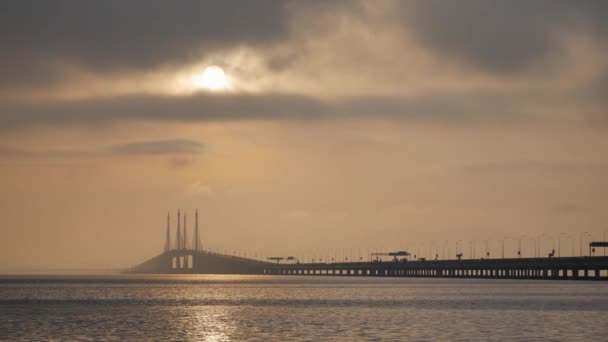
[(346, 124)]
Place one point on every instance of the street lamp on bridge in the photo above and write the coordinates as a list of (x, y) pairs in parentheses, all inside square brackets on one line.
[(580, 241), (457, 242), (519, 245), (540, 238)]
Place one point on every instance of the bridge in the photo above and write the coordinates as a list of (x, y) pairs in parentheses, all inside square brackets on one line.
[(190, 261), (567, 268), (189, 257)]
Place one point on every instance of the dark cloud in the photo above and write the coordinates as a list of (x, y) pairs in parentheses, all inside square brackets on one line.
[(172, 147), (6, 151), (12, 152), (176, 146), (479, 106), (597, 90), (110, 36), (118, 35), (500, 35), (200, 108)]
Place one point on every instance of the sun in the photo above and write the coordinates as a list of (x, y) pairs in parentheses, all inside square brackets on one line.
[(213, 78)]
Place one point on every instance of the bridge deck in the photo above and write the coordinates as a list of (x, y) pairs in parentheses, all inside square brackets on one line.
[(574, 268), (186, 261), (201, 262)]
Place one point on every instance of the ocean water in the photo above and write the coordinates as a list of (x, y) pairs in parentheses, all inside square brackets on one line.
[(283, 308)]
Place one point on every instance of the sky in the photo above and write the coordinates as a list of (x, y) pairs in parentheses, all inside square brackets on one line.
[(336, 127)]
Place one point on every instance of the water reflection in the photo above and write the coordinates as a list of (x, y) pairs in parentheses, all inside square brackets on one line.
[(205, 323), (222, 308)]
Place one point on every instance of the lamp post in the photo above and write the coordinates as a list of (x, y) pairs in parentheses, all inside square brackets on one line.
[(519, 245), (447, 243), (580, 241), (540, 241), (559, 244), (590, 236), (487, 250), (535, 241), (503, 244), (472, 249)]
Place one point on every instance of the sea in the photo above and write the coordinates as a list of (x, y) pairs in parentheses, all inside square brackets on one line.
[(298, 308)]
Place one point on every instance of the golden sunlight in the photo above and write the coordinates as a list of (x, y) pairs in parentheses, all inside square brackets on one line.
[(213, 78)]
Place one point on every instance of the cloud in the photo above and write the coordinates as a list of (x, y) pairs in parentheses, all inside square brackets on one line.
[(273, 106), (160, 147), (6, 151), (11, 152), (377, 63), (39, 39), (140, 148), (594, 94), (500, 36), (135, 35)]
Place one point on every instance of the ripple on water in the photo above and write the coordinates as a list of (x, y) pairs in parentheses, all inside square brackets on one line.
[(298, 308)]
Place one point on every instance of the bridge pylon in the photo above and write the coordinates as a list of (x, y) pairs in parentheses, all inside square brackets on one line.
[(185, 239), (168, 237), (179, 236), (197, 243)]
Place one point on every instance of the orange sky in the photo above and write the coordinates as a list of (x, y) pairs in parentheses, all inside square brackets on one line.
[(351, 125)]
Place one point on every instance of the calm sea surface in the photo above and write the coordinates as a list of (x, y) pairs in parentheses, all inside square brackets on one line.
[(276, 308)]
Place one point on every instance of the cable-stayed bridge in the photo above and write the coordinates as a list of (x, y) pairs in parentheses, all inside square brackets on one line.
[(189, 257)]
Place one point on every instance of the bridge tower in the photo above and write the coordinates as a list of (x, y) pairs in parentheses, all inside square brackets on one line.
[(179, 237), (196, 238), (185, 242), (168, 237), (185, 239)]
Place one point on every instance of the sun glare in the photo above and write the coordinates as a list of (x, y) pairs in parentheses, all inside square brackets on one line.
[(213, 78)]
